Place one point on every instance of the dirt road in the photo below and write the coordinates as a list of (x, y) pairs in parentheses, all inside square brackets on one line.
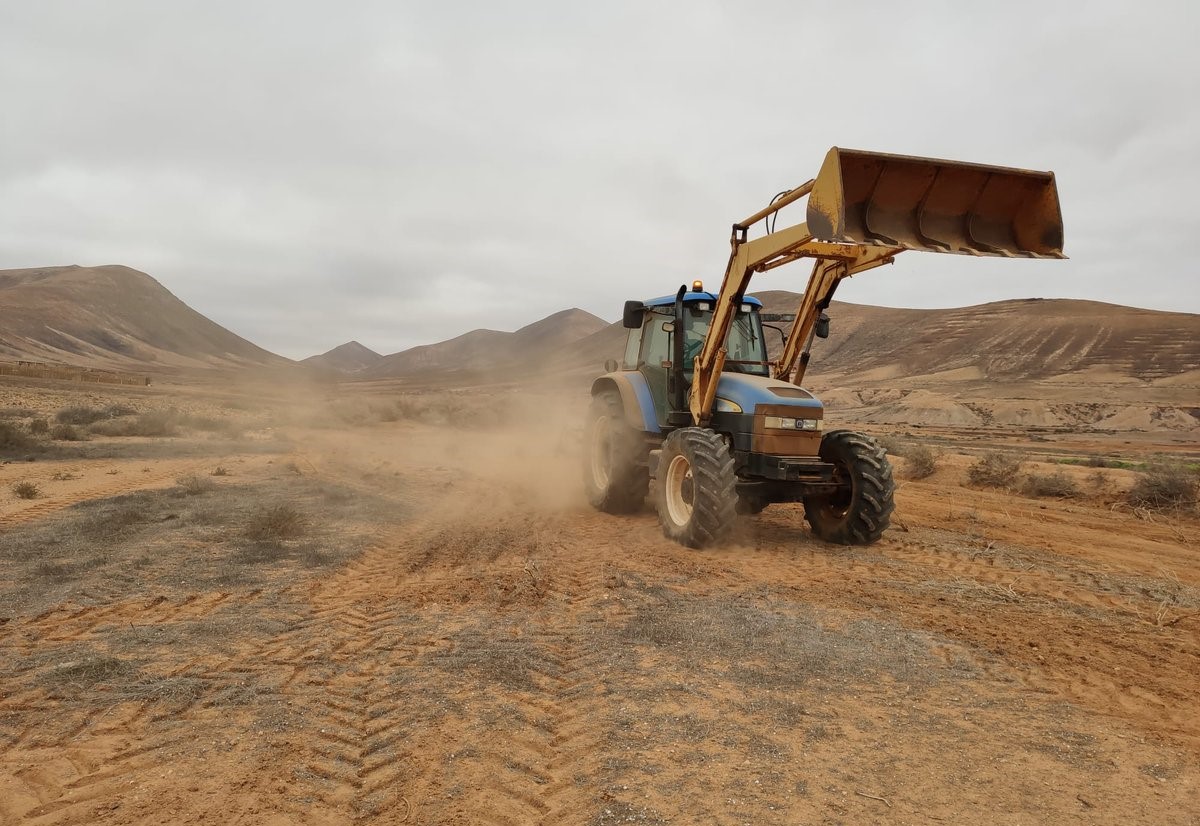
[(499, 653)]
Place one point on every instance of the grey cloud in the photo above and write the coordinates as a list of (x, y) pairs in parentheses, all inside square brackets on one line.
[(306, 173)]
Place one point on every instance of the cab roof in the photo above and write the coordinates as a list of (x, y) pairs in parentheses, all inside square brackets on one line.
[(668, 300)]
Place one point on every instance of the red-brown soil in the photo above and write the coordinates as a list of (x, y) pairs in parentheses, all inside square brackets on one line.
[(491, 650)]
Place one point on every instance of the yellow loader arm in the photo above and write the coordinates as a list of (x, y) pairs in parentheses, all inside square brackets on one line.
[(864, 208)]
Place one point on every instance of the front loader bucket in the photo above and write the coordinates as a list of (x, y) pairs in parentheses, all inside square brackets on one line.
[(935, 206)]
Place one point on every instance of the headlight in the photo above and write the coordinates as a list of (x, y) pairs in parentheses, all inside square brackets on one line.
[(726, 406), (786, 423)]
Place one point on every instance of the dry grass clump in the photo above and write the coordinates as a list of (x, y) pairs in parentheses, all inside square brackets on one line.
[(995, 469), (920, 462), (85, 415), (220, 470), (67, 433), (194, 485), (39, 427), (79, 415), (892, 445), (13, 437), (87, 671), (26, 490), (150, 423), (275, 522), (1164, 487), (1056, 484)]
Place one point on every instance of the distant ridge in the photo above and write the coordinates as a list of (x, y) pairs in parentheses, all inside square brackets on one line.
[(350, 357), (112, 317), (529, 347)]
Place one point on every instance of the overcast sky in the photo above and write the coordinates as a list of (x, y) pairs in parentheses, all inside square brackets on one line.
[(308, 173)]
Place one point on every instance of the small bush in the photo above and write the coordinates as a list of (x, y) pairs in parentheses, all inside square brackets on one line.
[(80, 415), (26, 490), (892, 445), (1163, 487), (66, 433), (220, 470), (151, 423), (193, 485), (114, 411), (1056, 484), (275, 522), (995, 469), (64, 476), (39, 427), (920, 462), (13, 437)]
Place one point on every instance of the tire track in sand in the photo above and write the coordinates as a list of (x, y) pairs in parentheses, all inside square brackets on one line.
[(156, 478)]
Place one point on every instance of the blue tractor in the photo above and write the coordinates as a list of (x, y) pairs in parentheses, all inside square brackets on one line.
[(698, 407)]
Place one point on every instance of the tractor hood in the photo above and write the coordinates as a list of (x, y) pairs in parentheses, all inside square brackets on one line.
[(749, 391)]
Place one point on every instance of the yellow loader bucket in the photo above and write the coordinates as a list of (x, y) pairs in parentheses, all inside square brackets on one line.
[(935, 206)]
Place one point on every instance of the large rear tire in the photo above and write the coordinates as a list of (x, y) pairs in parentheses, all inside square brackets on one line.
[(860, 510), (614, 459), (696, 493)]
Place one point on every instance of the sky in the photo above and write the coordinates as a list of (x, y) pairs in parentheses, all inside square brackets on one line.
[(306, 173)]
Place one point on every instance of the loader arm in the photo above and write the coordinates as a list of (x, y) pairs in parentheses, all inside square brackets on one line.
[(863, 209)]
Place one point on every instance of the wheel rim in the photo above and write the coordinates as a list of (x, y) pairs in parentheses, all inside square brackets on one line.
[(837, 505), (601, 452), (679, 490)]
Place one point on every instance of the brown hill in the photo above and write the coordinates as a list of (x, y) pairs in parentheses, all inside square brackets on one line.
[(1025, 339), (350, 357), (113, 317), (525, 349)]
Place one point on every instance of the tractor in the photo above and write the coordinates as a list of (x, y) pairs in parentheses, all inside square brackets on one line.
[(697, 406)]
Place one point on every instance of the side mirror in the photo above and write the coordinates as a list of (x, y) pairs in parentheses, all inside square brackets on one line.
[(635, 312), (610, 365), (822, 327), (668, 326)]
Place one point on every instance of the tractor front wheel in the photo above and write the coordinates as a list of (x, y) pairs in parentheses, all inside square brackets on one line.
[(614, 459), (860, 509), (696, 492)]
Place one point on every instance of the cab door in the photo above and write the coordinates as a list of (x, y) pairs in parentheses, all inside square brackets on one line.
[(654, 360)]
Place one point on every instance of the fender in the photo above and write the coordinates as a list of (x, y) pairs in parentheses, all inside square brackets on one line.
[(635, 398)]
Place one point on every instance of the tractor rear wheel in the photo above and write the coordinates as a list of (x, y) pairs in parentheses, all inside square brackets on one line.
[(614, 460), (696, 492), (859, 511)]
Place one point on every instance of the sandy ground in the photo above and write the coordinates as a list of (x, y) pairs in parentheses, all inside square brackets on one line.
[(457, 639)]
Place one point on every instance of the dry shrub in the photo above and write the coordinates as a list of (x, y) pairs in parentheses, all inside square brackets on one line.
[(1056, 484), (151, 423), (995, 469), (1164, 487), (26, 490), (220, 470), (892, 445), (919, 461), (39, 427), (193, 485), (14, 438), (80, 415), (67, 433), (275, 522)]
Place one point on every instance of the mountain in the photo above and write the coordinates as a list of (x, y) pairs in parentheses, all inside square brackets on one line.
[(526, 349), (350, 357), (1032, 338), (112, 317)]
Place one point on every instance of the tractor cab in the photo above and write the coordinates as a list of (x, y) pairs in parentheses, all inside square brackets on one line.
[(649, 348)]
